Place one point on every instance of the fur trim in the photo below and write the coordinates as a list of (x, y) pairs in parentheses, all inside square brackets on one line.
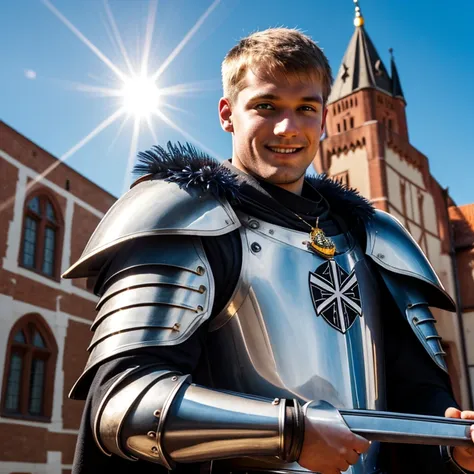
[(344, 201), (188, 167)]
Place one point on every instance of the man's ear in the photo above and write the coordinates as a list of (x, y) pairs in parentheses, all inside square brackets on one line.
[(225, 115), (323, 121)]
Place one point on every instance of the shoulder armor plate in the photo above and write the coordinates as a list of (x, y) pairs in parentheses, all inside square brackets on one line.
[(154, 207), (391, 247)]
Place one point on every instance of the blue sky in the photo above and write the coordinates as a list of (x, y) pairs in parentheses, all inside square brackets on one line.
[(41, 60)]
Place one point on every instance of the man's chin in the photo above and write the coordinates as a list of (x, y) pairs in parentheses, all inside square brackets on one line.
[(283, 177)]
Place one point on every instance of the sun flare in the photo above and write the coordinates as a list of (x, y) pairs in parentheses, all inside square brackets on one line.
[(141, 97)]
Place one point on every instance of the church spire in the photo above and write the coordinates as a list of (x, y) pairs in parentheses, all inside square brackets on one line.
[(361, 66), (358, 19), (396, 84)]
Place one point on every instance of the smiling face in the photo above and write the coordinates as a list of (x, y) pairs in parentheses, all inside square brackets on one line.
[(276, 122)]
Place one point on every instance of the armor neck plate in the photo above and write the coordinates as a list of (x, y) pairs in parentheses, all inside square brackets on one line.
[(300, 326)]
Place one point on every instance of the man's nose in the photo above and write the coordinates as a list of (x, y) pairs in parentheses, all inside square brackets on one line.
[(286, 127)]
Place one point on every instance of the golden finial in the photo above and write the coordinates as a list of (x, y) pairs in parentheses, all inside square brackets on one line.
[(359, 19)]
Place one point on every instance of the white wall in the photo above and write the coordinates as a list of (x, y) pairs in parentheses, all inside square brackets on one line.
[(356, 163), (399, 170)]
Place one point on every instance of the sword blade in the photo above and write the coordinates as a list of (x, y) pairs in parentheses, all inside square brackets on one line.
[(411, 429)]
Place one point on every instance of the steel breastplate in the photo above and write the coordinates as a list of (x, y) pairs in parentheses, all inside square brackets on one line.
[(300, 326)]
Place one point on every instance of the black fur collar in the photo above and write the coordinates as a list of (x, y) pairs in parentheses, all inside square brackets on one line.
[(189, 167)]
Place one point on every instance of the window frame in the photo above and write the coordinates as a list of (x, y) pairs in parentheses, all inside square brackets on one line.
[(43, 223), (31, 322), (342, 178)]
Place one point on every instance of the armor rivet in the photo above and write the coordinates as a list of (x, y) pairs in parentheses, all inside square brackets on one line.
[(174, 378), (200, 308), (276, 401), (176, 326), (271, 231), (255, 247), (415, 320), (202, 289), (154, 449), (227, 222), (157, 413), (200, 270), (151, 434), (254, 225), (381, 255)]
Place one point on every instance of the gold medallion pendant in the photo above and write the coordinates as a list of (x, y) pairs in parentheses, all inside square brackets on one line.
[(320, 243)]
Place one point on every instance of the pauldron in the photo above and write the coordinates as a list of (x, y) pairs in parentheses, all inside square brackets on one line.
[(410, 278)]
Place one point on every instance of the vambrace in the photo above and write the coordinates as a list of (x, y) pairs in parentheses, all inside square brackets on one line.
[(156, 292), (159, 416)]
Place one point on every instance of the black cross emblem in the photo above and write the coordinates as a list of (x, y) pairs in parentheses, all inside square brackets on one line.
[(335, 295)]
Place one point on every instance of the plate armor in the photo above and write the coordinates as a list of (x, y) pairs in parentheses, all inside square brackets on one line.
[(298, 329)]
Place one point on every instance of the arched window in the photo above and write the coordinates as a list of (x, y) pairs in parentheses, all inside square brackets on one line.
[(29, 370), (40, 249)]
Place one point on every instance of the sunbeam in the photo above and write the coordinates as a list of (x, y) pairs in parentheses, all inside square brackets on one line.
[(185, 40), (148, 37), (101, 91), (118, 38), (119, 132), (102, 126), (190, 87), (132, 154), (86, 41), (185, 134), (152, 130), (177, 109)]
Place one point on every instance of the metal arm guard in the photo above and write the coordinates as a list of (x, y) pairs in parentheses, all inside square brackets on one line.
[(157, 293), (159, 416), (155, 282), (410, 278)]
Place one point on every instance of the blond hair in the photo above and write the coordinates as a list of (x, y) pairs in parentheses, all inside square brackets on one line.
[(275, 49)]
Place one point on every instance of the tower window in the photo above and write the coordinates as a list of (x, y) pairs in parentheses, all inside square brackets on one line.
[(352, 122), (338, 128), (342, 178), (345, 125)]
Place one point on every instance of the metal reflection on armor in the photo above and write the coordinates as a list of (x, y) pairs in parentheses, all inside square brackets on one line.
[(294, 328), (298, 328)]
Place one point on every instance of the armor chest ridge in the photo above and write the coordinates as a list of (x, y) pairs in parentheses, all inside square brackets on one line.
[(298, 325)]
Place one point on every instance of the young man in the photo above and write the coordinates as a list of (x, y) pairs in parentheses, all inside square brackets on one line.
[(268, 288)]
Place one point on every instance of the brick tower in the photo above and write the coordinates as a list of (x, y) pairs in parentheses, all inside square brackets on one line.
[(367, 147)]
